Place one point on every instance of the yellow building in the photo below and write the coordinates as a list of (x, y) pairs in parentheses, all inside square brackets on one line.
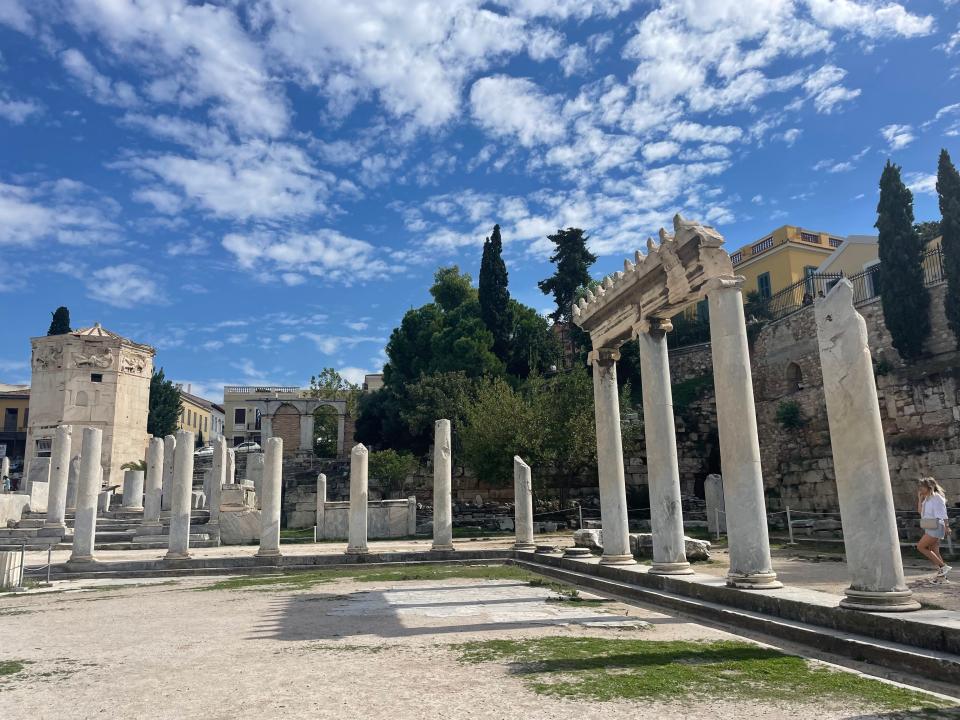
[(14, 413), (201, 417)]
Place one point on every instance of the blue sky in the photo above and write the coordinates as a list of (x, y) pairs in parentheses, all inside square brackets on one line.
[(261, 189)]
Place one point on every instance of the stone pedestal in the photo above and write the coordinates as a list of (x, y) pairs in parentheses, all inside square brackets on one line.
[(613, 491), (255, 474), (321, 501), (442, 487), (860, 458), (154, 483), (169, 459), (73, 482), (181, 491), (270, 505), (663, 469), (357, 532), (133, 489), (716, 507), (59, 478), (523, 505), (88, 490), (749, 543), (218, 478), (411, 516)]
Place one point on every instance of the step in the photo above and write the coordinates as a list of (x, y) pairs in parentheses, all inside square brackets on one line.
[(31, 523)]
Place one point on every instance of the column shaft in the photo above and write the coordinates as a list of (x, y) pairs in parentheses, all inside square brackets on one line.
[(133, 489), (73, 482), (270, 507), (59, 478), (91, 476), (179, 546), (255, 474), (231, 465), (154, 482), (218, 477), (523, 505), (321, 502), (442, 487), (169, 459), (357, 531)]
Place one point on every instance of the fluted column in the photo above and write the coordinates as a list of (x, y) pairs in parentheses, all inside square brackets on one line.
[(91, 477), (523, 505), (663, 469), (169, 459), (442, 487), (749, 542), (613, 490), (59, 478), (357, 531), (181, 491), (270, 507)]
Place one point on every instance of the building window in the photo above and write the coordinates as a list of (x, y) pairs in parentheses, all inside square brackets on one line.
[(703, 311), (794, 377), (43, 447), (835, 242), (810, 238), (763, 285), (10, 420), (240, 417), (237, 440), (96, 377), (761, 246)]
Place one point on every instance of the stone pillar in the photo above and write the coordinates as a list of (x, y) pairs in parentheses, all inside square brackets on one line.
[(321, 502), (169, 459), (613, 489), (88, 490), (442, 487), (749, 543), (341, 432), (411, 516), (663, 468), (860, 458), (272, 487), (59, 478), (255, 474), (4, 468), (357, 531), (154, 483), (181, 491), (306, 432), (133, 489), (266, 428), (523, 505), (713, 496), (218, 478), (73, 482), (231, 465)]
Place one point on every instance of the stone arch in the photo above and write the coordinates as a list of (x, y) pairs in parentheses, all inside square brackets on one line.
[(82, 400), (286, 425), (326, 428), (793, 377)]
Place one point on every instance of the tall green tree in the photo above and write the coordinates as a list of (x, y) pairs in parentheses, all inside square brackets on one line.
[(165, 406), (60, 324), (948, 190), (533, 348), (573, 261), (903, 295), (331, 385), (928, 229), (493, 294)]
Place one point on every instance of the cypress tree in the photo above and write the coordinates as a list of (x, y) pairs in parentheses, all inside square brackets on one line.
[(948, 190), (903, 295), (494, 295), (165, 406), (60, 324), (573, 262)]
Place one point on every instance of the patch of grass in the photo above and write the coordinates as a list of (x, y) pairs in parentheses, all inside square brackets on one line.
[(336, 647), (577, 600), (12, 667), (122, 586), (605, 669)]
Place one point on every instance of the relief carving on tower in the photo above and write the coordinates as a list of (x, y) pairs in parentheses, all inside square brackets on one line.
[(132, 363), (47, 358), (93, 360)]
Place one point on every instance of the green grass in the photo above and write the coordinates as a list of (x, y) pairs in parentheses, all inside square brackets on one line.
[(607, 669), (11, 667)]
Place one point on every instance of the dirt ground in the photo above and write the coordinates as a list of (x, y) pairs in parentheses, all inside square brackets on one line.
[(342, 649)]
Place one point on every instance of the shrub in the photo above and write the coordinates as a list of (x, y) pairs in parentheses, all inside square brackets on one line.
[(789, 415)]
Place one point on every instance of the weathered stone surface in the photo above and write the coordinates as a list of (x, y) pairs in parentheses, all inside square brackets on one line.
[(442, 485), (357, 531), (133, 490), (85, 517), (239, 527), (270, 503), (591, 539), (641, 545), (523, 498), (716, 508), (180, 501)]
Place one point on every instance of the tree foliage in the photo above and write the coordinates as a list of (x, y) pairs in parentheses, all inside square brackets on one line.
[(331, 385), (532, 345), (948, 191), (494, 297), (60, 322), (903, 295), (392, 469), (165, 405), (929, 229), (573, 261), (326, 429)]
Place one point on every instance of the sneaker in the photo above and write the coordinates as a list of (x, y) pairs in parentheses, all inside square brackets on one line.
[(942, 572)]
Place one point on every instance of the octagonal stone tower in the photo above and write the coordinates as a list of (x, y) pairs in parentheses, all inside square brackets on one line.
[(91, 378)]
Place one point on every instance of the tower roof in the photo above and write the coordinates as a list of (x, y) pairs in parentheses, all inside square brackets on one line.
[(97, 331)]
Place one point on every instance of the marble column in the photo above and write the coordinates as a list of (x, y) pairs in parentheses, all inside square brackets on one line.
[(231, 465), (321, 502), (255, 474), (88, 489), (613, 489), (747, 537), (357, 531), (272, 486), (442, 487), (218, 478), (411, 516), (860, 458), (4, 468), (73, 482), (169, 459), (133, 489), (59, 478), (154, 483), (181, 491), (523, 505), (663, 469)]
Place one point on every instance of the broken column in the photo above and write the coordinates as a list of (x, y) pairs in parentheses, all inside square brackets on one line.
[(523, 505), (749, 542), (321, 502), (231, 466), (73, 482), (180, 497), (357, 530), (716, 508), (133, 489), (860, 458), (442, 487), (255, 474), (154, 483), (613, 490), (169, 460), (59, 478), (88, 489), (218, 478), (270, 505), (663, 468)]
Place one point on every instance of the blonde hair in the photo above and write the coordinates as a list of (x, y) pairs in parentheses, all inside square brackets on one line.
[(933, 486)]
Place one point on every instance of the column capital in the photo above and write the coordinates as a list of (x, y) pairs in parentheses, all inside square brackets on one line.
[(652, 325), (722, 282), (603, 356)]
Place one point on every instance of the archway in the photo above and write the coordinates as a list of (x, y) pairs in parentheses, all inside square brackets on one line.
[(326, 425), (286, 425), (793, 377)]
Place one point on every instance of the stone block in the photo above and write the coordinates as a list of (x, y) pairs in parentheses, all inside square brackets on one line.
[(641, 545), (239, 527), (591, 539), (9, 569)]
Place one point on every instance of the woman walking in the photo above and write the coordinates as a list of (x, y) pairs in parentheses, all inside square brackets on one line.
[(932, 505)]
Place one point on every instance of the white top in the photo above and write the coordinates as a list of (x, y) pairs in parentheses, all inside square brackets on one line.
[(935, 507)]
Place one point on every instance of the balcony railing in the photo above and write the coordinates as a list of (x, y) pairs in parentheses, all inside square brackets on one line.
[(260, 389)]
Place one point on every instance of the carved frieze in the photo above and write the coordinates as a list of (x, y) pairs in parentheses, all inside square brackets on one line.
[(132, 363), (93, 360), (48, 358)]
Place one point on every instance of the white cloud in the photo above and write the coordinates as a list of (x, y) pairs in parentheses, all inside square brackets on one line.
[(574, 60), (690, 131), (190, 246), (825, 88), (18, 111), (13, 13), (63, 210), (97, 85), (354, 375), (920, 182), (833, 166), (124, 286), (508, 106), (333, 344), (897, 136), (789, 136), (653, 152), (870, 18), (357, 326), (212, 345)]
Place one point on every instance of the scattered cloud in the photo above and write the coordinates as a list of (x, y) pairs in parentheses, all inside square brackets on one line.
[(516, 107), (897, 136), (18, 112), (333, 344), (921, 183), (62, 210), (125, 286), (96, 84)]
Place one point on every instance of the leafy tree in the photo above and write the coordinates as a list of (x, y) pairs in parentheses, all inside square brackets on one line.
[(564, 403), (948, 190), (494, 296), (392, 469), (573, 262), (929, 229), (434, 397), (532, 347), (903, 295), (379, 423), (326, 426), (60, 324), (165, 405), (331, 385)]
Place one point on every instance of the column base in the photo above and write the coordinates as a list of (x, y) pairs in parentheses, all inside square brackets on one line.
[(577, 552), (442, 548), (267, 553), (618, 560), (81, 560), (357, 551), (524, 546), (52, 530), (131, 509), (889, 601), (677, 568), (47, 525), (176, 555), (757, 581)]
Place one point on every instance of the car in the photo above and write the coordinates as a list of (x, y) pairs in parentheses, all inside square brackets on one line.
[(248, 447), (205, 451)]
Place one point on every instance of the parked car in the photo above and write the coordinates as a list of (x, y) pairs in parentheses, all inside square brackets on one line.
[(248, 447), (205, 451)]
